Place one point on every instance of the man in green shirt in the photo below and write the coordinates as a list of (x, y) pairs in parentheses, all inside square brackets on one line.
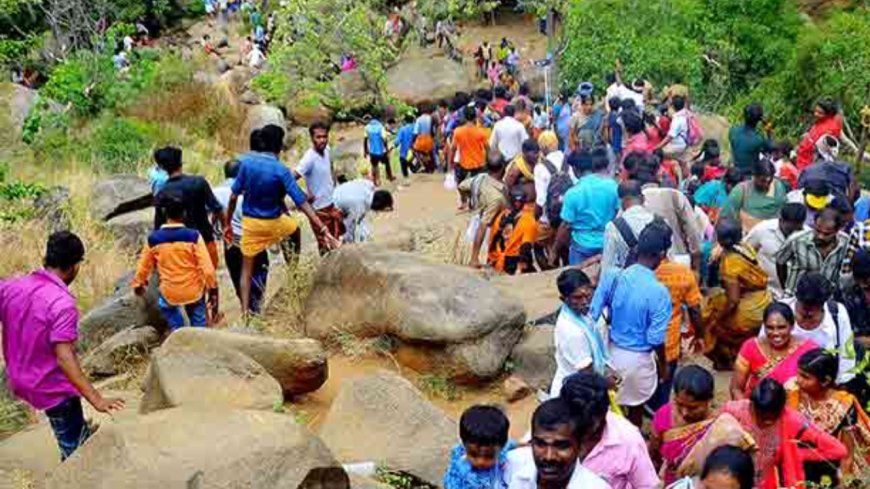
[(747, 142)]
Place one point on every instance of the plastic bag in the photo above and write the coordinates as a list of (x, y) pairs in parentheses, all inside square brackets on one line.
[(450, 181), (473, 226)]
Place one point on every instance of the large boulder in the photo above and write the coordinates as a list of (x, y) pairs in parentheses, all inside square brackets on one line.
[(118, 312), (263, 115), (131, 230), (123, 350), (384, 419), (16, 101), (345, 155), (534, 357), (427, 80), (466, 325), (186, 375), (299, 365), (52, 208), (120, 194), (715, 127), (353, 90), (536, 292), (305, 113), (184, 448)]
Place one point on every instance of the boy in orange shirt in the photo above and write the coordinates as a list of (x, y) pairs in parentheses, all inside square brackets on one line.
[(183, 264), (514, 233)]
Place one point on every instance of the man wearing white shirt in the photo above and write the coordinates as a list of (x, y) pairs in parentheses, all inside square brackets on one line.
[(674, 145), (508, 135), (768, 236), (815, 320), (551, 165), (552, 459)]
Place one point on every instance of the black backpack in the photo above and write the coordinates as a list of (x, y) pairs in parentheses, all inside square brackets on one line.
[(560, 183), (630, 239)]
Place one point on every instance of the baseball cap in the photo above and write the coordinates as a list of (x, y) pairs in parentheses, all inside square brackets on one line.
[(817, 194)]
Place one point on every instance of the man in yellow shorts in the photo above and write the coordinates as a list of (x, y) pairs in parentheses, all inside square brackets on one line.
[(265, 182)]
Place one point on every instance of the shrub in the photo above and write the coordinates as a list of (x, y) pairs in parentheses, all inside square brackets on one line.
[(718, 48), (117, 145)]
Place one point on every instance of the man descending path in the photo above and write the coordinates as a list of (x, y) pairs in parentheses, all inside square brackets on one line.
[(265, 181), (40, 328)]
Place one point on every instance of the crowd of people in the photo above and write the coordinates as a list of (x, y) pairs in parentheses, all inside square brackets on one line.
[(761, 263)]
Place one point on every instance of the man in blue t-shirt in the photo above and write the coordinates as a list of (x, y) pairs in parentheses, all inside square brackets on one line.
[(405, 142), (586, 209), (377, 149), (264, 182)]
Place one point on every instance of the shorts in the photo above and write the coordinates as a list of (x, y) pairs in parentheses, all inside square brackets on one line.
[(375, 159), (462, 173), (259, 234)]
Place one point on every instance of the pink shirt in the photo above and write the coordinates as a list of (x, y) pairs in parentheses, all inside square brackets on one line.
[(638, 143), (621, 457), (37, 311)]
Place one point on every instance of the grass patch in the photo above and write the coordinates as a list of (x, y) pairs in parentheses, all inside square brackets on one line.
[(400, 480), (14, 414), (437, 386)]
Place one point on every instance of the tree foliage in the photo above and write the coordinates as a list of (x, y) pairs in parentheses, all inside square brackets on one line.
[(729, 52), (311, 38)]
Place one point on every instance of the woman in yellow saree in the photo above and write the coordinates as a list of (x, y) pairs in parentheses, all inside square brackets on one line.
[(733, 314)]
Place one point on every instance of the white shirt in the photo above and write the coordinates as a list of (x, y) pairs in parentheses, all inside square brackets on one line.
[(826, 337), (767, 239), (625, 93), (508, 136), (572, 351), (354, 198), (316, 169), (522, 473), (222, 193), (256, 57), (612, 91), (543, 178), (679, 132), (128, 43)]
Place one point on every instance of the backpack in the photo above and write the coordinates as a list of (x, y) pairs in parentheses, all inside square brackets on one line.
[(630, 239), (694, 133), (560, 183)]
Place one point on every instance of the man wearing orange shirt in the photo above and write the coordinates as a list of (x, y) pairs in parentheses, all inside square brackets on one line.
[(470, 141)]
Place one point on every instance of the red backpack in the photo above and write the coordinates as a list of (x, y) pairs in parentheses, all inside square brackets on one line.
[(694, 133)]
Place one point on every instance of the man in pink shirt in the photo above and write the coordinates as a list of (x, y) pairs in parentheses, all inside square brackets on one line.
[(612, 448), (40, 321)]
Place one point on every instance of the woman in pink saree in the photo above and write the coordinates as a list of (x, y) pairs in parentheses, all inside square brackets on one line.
[(685, 430), (774, 355)]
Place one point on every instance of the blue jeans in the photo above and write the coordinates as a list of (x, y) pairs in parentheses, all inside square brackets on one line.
[(195, 313), (68, 423), (578, 254)]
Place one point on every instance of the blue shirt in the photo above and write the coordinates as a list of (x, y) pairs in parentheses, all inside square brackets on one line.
[(461, 475), (423, 125), (588, 206), (862, 209), (157, 178), (265, 181), (639, 305), (615, 132), (404, 139), (375, 132)]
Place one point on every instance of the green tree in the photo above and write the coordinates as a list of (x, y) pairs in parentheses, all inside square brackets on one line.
[(312, 35)]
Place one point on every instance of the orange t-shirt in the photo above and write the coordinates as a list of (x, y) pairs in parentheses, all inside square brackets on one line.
[(683, 287), (515, 235), (471, 142)]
